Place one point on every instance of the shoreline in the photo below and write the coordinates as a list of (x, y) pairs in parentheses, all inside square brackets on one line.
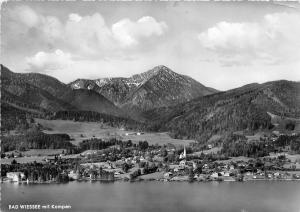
[(146, 180)]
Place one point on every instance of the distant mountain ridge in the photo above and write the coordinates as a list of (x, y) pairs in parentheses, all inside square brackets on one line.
[(17, 88), (43, 92), (160, 98), (244, 108), (124, 97), (157, 87)]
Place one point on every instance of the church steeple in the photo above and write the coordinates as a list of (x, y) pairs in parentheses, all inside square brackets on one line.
[(183, 154)]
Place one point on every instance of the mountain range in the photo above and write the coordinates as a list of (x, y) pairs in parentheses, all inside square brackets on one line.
[(160, 98), (155, 88)]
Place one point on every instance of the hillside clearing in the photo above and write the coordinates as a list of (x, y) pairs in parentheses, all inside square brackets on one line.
[(38, 152), (281, 122), (79, 131)]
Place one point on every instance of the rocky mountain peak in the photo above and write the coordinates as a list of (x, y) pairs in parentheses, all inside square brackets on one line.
[(160, 68), (159, 86)]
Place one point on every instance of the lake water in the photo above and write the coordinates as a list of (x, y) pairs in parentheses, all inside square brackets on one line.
[(261, 196)]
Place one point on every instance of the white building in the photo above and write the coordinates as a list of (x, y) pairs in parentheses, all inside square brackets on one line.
[(182, 163), (183, 154), (15, 176), (73, 175), (214, 175)]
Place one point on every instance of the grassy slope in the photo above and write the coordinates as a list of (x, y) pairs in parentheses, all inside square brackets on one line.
[(90, 129), (280, 122)]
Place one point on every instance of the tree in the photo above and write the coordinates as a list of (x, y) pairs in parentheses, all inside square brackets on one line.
[(191, 174), (125, 167), (143, 145), (290, 126), (164, 152)]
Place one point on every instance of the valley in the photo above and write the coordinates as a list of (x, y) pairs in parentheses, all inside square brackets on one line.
[(155, 125), (150, 106)]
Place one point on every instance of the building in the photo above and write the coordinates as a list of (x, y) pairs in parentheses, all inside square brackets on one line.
[(214, 175), (168, 175), (74, 175), (15, 176), (183, 154), (182, 163)]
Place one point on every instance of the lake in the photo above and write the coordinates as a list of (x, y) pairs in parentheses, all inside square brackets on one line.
[(260, 196)]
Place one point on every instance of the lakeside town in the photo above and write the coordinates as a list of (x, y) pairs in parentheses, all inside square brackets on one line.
[(128, 161)]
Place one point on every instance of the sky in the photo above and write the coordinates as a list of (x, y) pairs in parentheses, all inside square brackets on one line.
[(222, 45)]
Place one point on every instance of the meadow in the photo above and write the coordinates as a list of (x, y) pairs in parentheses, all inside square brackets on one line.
[(79, 131)]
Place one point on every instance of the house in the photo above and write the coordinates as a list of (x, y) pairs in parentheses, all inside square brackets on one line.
[(74, 175), (221, 173), (117, 174), (194, 165), (226, 174), (205, 166), (277, 174), (231, 168), (182, 163), (214, 175), (15, 176), (167, 174)]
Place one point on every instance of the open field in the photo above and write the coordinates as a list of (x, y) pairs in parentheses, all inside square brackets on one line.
[(157, 138), (38, 159), (152, 176), (38, 152), (293, 158), (235, 159), (213, 150), (30, 159), (79, 131)]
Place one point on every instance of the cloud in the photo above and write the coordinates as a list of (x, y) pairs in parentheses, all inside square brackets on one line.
[(86, 36), (273, 40), (25, 15), (75, 17), (128, 32), (44, 62), (51, 28)]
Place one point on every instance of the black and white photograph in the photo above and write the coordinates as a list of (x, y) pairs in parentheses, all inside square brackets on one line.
[(150, 106)]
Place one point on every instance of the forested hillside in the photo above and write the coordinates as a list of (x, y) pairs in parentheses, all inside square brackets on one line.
[(243, 108), (91, 116), (35, 140)]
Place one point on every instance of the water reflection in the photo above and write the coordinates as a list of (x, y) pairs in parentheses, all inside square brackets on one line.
[(159, 196)]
